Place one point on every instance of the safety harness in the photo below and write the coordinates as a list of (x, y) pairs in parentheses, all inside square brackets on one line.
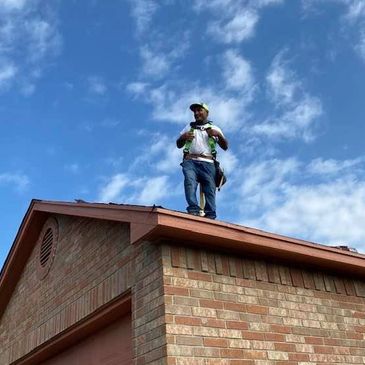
[(220, 178), (211, 141)]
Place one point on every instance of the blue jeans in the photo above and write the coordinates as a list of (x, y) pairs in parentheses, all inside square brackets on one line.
[(204, 173)]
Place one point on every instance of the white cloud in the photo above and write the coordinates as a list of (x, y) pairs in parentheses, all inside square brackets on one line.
[(43, 38), (171, 104), (353, 17), (73, 168), (154, 64), (160, 55), (282, 81), (228, 161), (263, 3), (329, 167), (262, 180), (154, 190), (234, 21), (28, 38), (142, 12), (7, 74), (296, 112), (236, 29), (113, 188), (137, 88), (9, 5), (170, 160), (356, 9), (97, 85), (17, 180), (237, 71), (109, 123), (160, 152), (360, 46), (330, 213), (276, 195)]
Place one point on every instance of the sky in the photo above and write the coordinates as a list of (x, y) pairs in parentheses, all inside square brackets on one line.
[(93, 95)]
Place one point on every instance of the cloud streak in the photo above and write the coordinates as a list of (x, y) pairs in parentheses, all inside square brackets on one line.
[(276, 195), (295, 110), (16, 180), (28, 39)]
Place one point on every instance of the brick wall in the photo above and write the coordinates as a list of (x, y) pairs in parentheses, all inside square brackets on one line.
[(189, 306), (148, 307), (91, 267), (223, 309)]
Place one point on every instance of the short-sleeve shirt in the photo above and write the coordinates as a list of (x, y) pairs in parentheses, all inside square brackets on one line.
[(200, 144)]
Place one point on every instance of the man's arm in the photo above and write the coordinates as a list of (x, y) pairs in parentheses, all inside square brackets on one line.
[(222, 141), (188, 136)]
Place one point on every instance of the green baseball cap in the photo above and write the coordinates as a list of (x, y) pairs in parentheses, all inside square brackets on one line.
[(199, 105)]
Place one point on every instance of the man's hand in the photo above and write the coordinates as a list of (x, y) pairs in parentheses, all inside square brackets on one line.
[(213, 133), (223, 143), (188, 136)]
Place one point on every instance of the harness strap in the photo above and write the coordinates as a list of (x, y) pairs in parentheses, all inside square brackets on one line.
[(188, 143), (211, 142)]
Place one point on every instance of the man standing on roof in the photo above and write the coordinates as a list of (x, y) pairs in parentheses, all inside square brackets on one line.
[(199, 140)]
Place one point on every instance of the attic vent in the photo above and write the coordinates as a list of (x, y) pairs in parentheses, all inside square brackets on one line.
[(47, 243), (46, 247)]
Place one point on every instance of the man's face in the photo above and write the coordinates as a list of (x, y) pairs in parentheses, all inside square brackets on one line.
[(200, 114)]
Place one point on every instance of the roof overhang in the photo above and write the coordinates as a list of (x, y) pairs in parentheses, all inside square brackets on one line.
[(159, 224)]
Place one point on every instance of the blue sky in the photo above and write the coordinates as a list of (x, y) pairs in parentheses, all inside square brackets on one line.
[(93, 95)]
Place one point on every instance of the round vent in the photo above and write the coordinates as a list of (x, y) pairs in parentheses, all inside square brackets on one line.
[(46, 247), (47, 243)]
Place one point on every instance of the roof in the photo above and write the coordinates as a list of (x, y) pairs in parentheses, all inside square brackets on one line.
[(155, 223)]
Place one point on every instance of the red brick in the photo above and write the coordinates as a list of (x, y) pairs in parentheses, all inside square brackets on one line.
[(173, 290), (287, 347), (298, 357), (237, 325), (274, 337), (257, 309), (201, 276), (189, 321), (280, 328), (314, 340), (237, 307), (206, 303), (323, 349), (215, 342), (248, 335), (215, 323), (229, 353)]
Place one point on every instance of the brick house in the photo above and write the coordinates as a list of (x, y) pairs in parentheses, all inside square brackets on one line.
[(110, 284)]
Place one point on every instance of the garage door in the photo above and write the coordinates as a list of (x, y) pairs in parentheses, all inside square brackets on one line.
[(109, 346)]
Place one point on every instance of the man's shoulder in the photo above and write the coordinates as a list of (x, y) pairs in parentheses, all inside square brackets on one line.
[(186, 129), (214, 126)]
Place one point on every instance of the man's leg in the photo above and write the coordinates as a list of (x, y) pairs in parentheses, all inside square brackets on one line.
[(190, 186), (207, 179)]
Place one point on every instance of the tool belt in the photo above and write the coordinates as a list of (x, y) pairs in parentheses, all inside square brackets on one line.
[(192, 156)]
